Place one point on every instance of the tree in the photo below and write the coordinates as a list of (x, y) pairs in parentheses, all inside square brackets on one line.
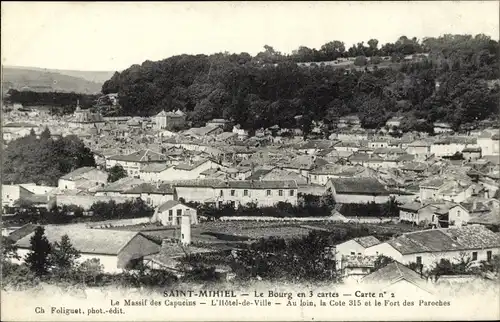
[(39, 258), (45, 135), (116, 173), (44, 161), (64, 255), (91, 268), (458, 267), (9, 249), (375, 60), (360, 61), (382, 261)]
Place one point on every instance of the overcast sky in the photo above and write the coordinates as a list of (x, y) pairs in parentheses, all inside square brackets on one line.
[(113, 36)]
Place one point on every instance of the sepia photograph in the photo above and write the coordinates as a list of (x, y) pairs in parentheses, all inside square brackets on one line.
[(250, 161)]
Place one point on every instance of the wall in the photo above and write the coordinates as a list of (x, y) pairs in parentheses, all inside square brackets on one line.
[(163, 217), (86, 201), (347, 248), (119, 222), (177, 174), (428, 259), (418, 150), (137, 248), (316, 190), (428, 193), (151, 199), (94, 176), (384, 249), (10, 193), (355, 198), (458, 215), (37, 190), (258, 196), (198, 194), (407, 215), (488, 146), (447, 149), (110, 262)]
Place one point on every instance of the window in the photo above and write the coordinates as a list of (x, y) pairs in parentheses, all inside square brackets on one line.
[(458, 213), (220, 204), (419, 260), (179, 216), (474, 256), (233, 193), (268, 192), (148, 201), (292, 193), (170, 215), (488, 256), (221, 193), (353, 253), (245, 193), (280, 192), (233, 204)]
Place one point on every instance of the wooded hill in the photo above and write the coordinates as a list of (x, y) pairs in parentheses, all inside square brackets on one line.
[(451, 84)]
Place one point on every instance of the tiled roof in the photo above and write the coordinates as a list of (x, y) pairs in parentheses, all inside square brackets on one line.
[(237, 184), (121, 185), (85, 240), (419, 143), (406, 157), (151, 188), (367, 241), (359, 186), (448, 239), (389, 151), (305, 162), (169, 204), (413, 206), (395, 272), (20, 124), (155, 167), (356, 261), (257, 174), (486, 218), (140, 156), (434, 182), (79, 173), (190, 166)]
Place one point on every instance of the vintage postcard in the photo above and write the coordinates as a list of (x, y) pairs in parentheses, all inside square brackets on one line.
[(250, 161)]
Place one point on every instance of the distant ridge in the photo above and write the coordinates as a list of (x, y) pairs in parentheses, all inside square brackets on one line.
[(92, 76), (46, 80)]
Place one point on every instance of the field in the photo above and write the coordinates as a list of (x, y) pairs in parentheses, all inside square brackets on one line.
[(220, 232)]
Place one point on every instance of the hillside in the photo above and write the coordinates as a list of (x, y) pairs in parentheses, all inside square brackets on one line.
[(41, 80), (449, 83), (91, 76)]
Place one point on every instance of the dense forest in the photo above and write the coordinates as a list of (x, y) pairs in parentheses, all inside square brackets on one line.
[(52, 99), (453, 84), (43, 160)]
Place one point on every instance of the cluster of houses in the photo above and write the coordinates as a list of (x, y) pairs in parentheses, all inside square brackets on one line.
[(414, 254), (448, 182), (435, 178)]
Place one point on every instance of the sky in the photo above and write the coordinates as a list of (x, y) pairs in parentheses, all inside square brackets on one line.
[(109, 36)]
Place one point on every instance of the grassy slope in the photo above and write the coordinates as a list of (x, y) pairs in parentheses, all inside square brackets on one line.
[(53, 80)]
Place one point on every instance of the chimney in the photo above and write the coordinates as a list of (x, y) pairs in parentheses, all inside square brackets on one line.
[(186, 227)]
